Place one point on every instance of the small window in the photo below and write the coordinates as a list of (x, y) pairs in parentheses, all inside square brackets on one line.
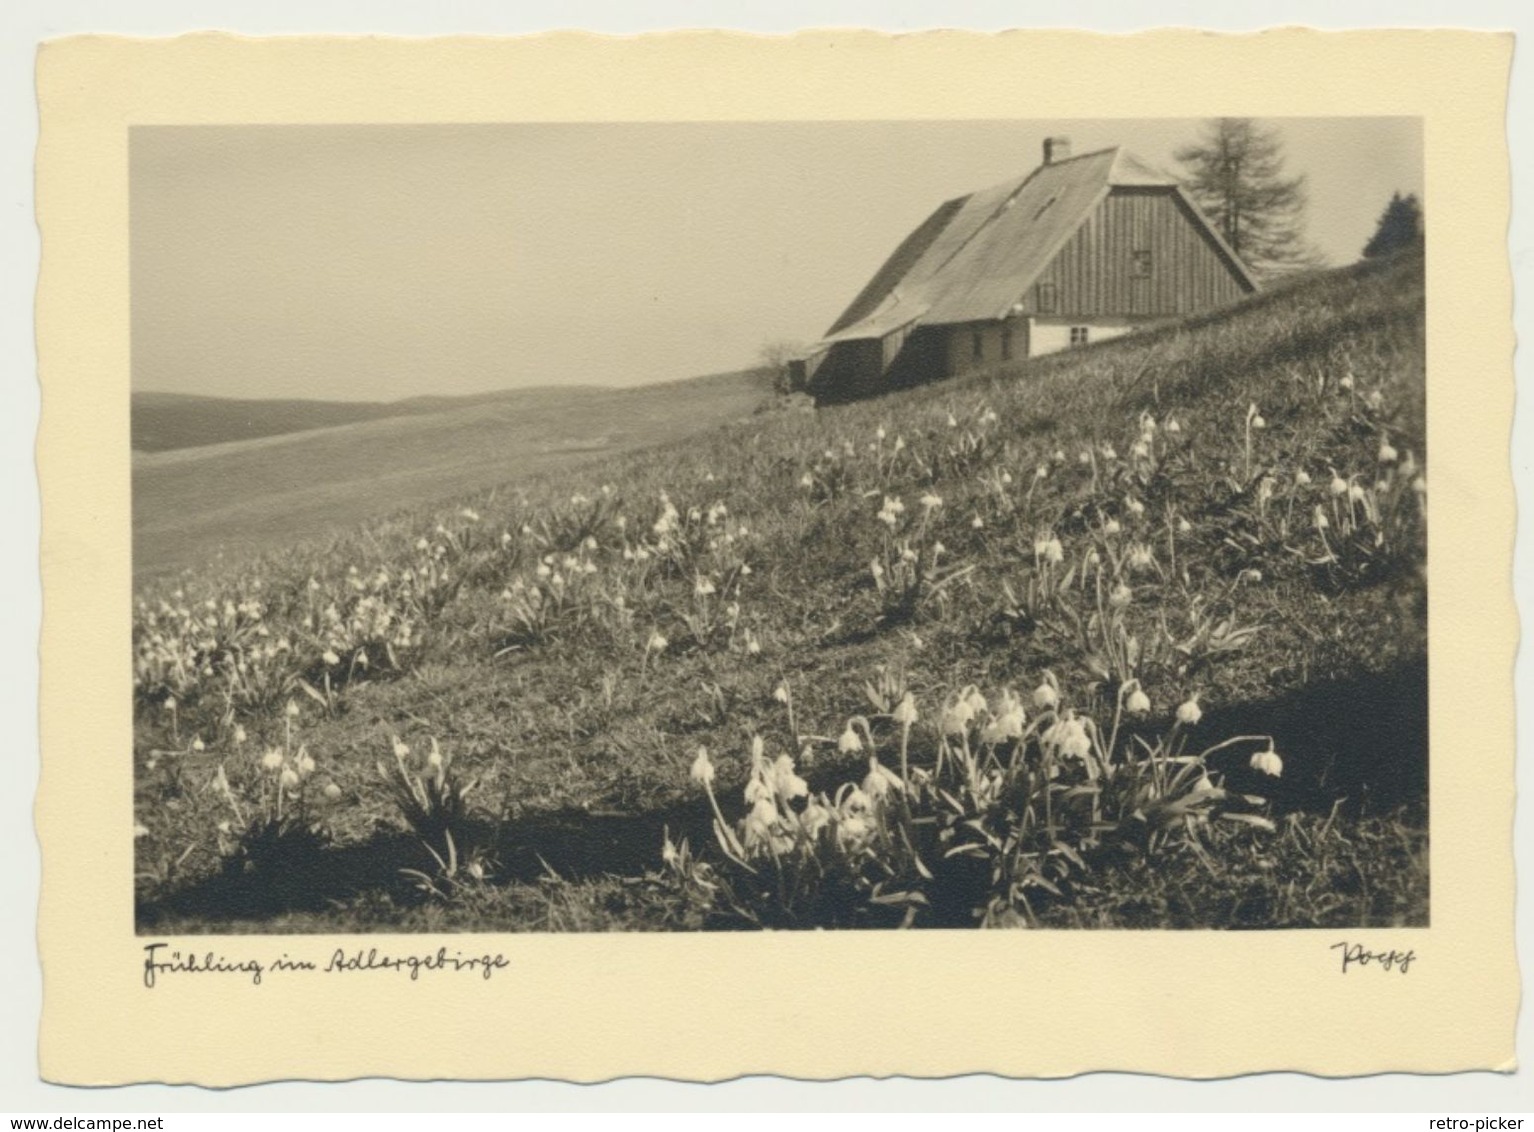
[(1006, 343), (1140, 266), (1046, 298), (1078, 336), (976, 346)]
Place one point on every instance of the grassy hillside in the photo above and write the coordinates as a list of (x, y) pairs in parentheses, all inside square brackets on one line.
[(192, 505), (1130, 636)]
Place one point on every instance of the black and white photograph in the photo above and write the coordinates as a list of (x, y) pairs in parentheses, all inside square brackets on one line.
[(789, 525)]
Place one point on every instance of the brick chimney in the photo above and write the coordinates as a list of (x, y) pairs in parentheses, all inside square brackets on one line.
[(1056, 150)]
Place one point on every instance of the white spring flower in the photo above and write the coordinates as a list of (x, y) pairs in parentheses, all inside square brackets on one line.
[(1111, 527), (905, 711), (953, 421), (1388, 453), (890, 512), (1046, 695), (1321, 521), (305, 762), (899, 444), (786, 782), (850, 742), (1268, 762), (1188, 712), (1006, 478), (977, 523), (1007, 722), (806, 480), (1136, 508), (1173, 426), (239, 734), (781, 693), (197, 744), (1259, 423), (656, 643), (1375, 399), (880, 781), (170, 703), (1120, 596), (879, 432), (332, 792), (931, 501), (1347, 381), (1356, 493), (291, 711), (703, 587), (1068, 736), (761, 823), (1137, 703), (330, 658), (1140, 558), (702, 771), (1183, 526), (1339, 486), (1302, 478), (957, 718)]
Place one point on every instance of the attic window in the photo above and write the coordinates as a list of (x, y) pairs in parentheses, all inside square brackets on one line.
[(1006, 343), (976, 346), (1045, 298), (1140, 264), (1078, 336)]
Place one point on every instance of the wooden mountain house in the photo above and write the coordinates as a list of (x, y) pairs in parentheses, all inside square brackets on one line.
[(1080, 250)]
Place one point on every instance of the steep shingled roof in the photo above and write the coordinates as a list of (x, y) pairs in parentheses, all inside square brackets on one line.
[(977, 254)]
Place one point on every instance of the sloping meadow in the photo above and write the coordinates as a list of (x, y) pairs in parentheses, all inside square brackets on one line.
[(1130, 636)]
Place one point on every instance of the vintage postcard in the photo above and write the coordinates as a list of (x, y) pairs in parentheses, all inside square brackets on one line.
[(707, 554)]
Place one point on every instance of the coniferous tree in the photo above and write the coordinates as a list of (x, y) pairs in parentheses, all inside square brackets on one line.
[(1235, 173), (1400, 226)]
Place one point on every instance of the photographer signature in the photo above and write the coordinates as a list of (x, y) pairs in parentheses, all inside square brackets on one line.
[(1355, 954)]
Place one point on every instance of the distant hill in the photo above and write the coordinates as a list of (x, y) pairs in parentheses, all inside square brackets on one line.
[(327, 472), (165, 421)]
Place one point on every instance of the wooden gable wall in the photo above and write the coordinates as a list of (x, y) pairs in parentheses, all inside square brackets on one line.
[(1097, 272)]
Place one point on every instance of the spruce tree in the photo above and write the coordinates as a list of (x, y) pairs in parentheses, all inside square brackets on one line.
[(1400, 227), (1235, 173)]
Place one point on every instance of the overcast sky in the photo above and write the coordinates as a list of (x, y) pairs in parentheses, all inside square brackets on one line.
[(378, 262)]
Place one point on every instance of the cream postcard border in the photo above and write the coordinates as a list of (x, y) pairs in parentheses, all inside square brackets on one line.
[(824, 1005)]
